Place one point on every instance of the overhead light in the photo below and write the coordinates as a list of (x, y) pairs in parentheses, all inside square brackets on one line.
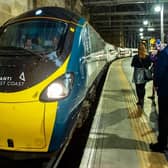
[(151, 29), (141, 29), (157, 8), (145, 22)]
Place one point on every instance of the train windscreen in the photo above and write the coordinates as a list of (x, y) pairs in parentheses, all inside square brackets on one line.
[(30, 51), (38, 36)]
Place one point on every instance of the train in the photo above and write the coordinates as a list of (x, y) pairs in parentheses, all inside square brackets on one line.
[(112, 52), (51, 61)]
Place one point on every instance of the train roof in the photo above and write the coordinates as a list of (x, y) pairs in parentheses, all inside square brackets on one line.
[(56, 12)]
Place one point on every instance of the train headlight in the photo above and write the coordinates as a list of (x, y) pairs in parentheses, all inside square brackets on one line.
[(58, 89)]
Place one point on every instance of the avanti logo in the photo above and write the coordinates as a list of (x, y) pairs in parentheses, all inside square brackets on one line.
[(22, 77)]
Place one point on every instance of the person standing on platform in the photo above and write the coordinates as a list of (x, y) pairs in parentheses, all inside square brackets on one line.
[(154, 57), (139, 62), (161, 85)]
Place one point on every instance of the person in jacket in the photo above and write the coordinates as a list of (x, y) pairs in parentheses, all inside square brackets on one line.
[(140, 62), (161, 85), (154, 56)]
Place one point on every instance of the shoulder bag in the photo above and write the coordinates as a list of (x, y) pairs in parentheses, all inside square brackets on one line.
[(147, 73)]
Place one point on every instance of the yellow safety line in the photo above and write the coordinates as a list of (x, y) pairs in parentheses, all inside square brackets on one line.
[(141, 129)]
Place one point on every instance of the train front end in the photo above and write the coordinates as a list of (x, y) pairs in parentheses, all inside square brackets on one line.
[(33, 80)]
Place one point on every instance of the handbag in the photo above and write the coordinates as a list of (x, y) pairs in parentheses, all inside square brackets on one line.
[(148, 74), (138, 76)]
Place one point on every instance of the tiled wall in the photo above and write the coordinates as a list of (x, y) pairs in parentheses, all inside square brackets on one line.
[(60, 3), (10, 8)]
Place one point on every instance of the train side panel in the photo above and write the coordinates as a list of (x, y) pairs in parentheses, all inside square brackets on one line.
[(69, 107), (87, 62)]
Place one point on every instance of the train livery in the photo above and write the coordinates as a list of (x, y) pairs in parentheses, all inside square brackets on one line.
[(50, 63)]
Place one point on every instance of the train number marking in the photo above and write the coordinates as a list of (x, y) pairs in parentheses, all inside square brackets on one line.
[(22, 77)]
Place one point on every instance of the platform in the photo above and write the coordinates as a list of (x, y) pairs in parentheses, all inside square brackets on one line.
[(121, 131)]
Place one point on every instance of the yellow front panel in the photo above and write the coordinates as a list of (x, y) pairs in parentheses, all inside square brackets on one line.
[(50, 117), (23, 123), (28, 125)]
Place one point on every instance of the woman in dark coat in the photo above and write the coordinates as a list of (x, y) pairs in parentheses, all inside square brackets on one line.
[(140, 62)]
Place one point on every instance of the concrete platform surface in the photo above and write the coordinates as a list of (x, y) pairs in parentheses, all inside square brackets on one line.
[(121, 131)]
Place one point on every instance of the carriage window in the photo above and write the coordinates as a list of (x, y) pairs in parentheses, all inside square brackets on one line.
[(96, 40), (86, 41)]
